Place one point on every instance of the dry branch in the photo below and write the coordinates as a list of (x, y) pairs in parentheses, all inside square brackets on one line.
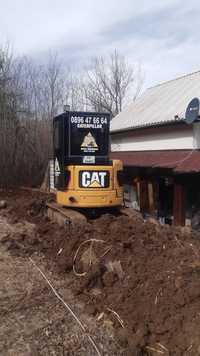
[(76, 254), (117, 316)]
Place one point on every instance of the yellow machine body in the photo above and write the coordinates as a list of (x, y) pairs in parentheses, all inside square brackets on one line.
[(92, 186)]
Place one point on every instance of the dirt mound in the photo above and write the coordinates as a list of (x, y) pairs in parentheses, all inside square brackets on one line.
[(141, 277), (148, 274)]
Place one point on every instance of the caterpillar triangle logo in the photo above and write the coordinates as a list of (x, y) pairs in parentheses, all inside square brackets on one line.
[(95, 184), (56, 167), (89, 141)]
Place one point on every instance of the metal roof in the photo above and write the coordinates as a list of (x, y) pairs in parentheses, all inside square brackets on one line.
[(182, 161), (161, 104)]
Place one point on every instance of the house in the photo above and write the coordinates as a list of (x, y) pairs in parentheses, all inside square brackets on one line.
[(161, 152)]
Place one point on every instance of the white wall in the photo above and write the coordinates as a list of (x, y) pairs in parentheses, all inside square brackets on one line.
[(177, 140), (196, 135)]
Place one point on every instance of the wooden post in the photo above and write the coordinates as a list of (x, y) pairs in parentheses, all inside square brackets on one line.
[(179, 204), (144, 196), (151, 198)]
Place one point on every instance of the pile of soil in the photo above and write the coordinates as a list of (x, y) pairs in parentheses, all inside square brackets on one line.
[(157, 295), (146, 273)]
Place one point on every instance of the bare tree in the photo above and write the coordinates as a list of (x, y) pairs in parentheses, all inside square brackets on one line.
[(31, 94), (108, 82), (9, 125), (54, 85), (75, 96)]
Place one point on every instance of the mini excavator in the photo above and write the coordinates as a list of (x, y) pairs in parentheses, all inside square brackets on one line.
[(84, 176)]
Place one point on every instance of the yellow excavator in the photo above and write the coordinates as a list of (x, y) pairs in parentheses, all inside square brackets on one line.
[(84, 175)]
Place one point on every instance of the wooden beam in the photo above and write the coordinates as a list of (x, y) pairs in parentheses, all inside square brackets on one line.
[(151, 198), (179, 204), (144, 196)]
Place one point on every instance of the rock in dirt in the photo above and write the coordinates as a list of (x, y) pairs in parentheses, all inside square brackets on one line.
[(116, 268), (3, 204)]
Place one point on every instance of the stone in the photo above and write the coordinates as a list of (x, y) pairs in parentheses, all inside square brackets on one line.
[(3, 204)]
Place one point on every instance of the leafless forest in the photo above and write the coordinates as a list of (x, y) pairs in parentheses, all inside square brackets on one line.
[(31, 94)]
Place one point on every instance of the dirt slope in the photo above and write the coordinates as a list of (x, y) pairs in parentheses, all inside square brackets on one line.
[(32, 321), (146, 273)]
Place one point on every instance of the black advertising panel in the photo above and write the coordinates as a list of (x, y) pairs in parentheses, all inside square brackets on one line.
[(88, 134)]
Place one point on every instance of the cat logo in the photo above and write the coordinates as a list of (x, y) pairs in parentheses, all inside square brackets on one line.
[(89, 143), (94, 179)]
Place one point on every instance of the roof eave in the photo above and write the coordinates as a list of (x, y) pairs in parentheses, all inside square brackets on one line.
[(156, 124)]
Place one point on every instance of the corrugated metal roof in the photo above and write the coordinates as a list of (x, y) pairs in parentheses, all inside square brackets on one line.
[(159, 104), (185, 161)]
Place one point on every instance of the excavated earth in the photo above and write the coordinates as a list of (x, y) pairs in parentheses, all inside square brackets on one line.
[(135, 282)]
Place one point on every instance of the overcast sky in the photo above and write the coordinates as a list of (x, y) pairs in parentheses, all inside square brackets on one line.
[(163, 35)]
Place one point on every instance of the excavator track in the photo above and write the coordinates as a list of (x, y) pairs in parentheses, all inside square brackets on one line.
[(64, 216)]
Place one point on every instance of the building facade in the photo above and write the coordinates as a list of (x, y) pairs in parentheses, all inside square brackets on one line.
[(161, 152)]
